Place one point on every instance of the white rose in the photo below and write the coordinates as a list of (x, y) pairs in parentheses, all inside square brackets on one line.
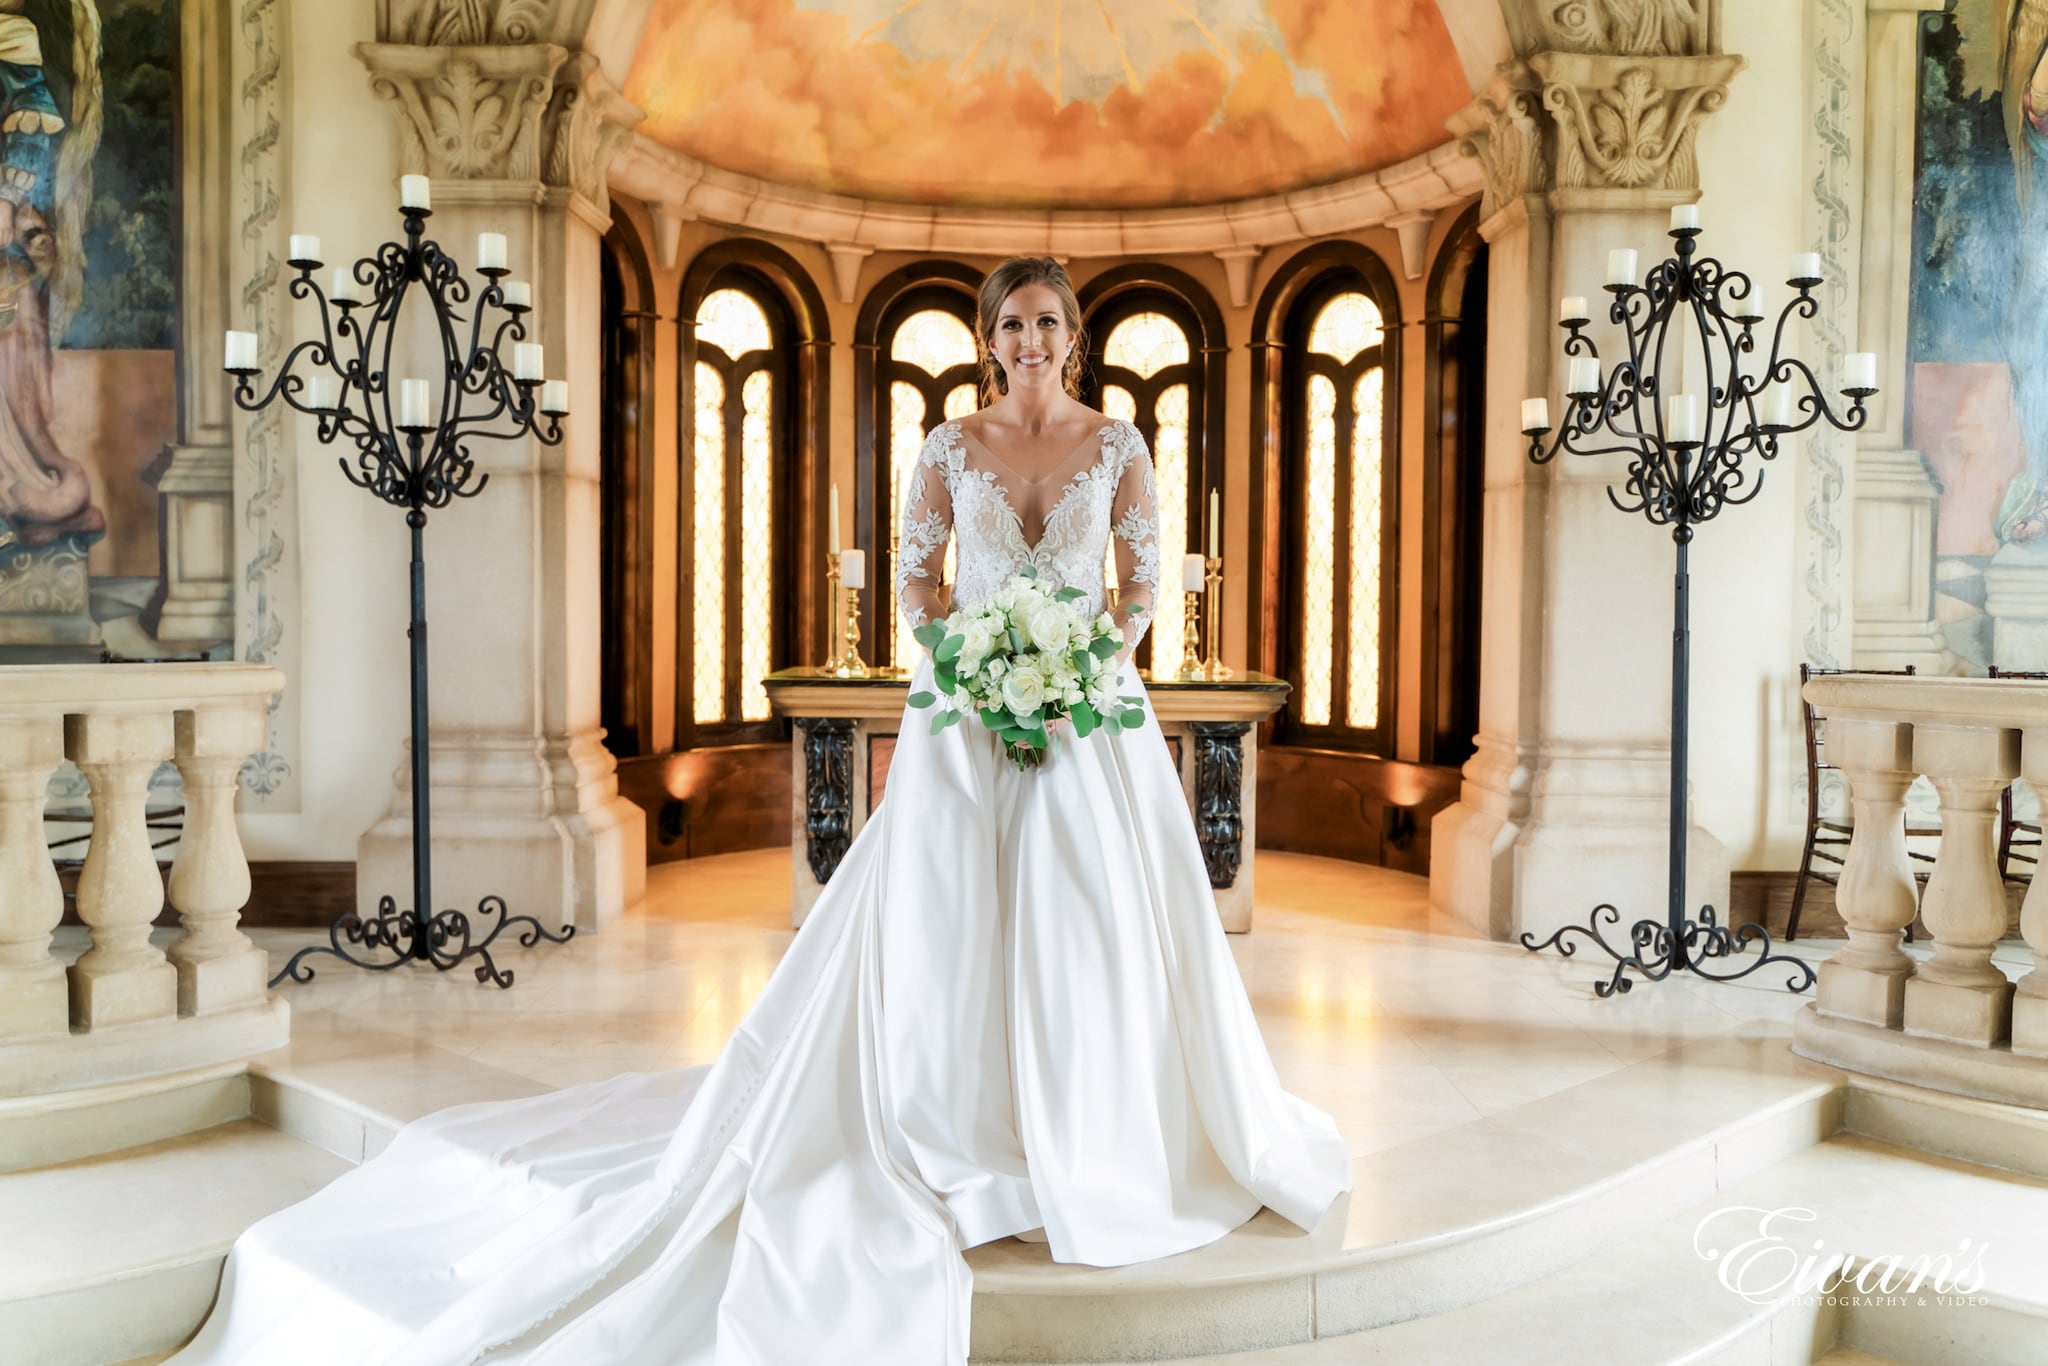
[(1024, 689), (1047, 629), (1102, 693), (976, 643), (1104, 624), (997, 667)]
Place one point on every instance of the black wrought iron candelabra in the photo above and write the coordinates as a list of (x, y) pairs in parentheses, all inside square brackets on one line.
[(416, 457), (1684, 468)]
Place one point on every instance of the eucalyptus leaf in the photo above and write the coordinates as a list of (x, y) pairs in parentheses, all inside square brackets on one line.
[(929, 634), (1069, 595), (922, 699), (946, 676), (995, 718), (1084, 718), (1105, 646), (1132, 718), (942, 720), (1017, 641), (949, 649)]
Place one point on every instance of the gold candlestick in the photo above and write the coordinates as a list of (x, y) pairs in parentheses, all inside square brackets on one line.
[(835, 660), (852, 666), (1215, 668), (1190, 650)]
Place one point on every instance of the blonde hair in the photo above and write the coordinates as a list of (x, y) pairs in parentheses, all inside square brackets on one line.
[(1000, 283)]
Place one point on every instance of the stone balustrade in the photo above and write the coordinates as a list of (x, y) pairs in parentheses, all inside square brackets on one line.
[(126, 1007), (1952, 1020)]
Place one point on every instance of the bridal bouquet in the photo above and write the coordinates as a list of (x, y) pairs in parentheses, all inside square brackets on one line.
[(1022, 659)]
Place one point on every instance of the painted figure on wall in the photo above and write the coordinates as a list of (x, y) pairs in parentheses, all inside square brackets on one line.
[(50, 117), (2023, 62)]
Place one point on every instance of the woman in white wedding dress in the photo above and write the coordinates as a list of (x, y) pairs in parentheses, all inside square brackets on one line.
[(1012, 1009)]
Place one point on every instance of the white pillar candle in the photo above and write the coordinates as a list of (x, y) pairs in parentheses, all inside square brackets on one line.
[(343, 288), (1859, 370), (322, 392), (1535, 415), (1685, 216), (412, 403), (1192, 573), (528, 361), (1805, 265), (413, 193), (1621, 266), (554, 398), (1682, 418), (832, 521), (518, 294), (1572, 309), (853, 569), (241, 351), (1215, 522), (490, 251), (1759, 304), (304, 247), (1775, 406), (1584, 375)]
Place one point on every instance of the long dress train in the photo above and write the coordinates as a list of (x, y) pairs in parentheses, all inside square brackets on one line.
[(1013, 1007)]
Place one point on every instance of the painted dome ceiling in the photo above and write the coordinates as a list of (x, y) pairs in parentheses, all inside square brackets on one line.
[(1050, 103)]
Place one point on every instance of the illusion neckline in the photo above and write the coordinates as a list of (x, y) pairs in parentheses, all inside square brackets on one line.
[(1063, 464), (1074, 478)]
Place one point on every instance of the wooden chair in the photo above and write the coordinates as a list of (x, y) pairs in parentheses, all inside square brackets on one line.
[(2016, 836), (1824, 837)]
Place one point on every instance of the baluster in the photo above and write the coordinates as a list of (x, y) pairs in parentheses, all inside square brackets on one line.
[(1875, 895), (122, 978), (33, 999), (1958, 995), (2030, 998), (218, 967)]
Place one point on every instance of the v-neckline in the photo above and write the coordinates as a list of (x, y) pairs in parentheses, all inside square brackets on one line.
[(1074, 477)]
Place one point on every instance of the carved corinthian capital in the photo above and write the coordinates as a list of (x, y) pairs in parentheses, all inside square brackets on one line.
[(587, 124), (1504, 129), (1629, 123)]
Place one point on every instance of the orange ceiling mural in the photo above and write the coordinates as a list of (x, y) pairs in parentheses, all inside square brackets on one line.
[(1048, 102)]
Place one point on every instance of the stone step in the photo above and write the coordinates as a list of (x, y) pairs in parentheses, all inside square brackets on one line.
[(63, 1126), (118, 1256)]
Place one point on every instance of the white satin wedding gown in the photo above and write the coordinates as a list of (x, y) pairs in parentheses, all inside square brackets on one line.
[(1012, 1008)]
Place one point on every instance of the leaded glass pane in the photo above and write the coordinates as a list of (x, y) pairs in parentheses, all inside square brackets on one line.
[(1118, 403), (906, 439), (1170, 470), (1345, 326), (708, 551), (732, 322), (1319, 574), (934, 341), (960, 401), (757, 563), (1368, 400), (1146, 343)]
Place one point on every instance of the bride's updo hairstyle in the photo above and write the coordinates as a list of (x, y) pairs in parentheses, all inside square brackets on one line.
[(1005, 280)]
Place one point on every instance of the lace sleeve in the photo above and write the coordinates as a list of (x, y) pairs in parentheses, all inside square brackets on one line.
[(1136, 527), (927, 524)]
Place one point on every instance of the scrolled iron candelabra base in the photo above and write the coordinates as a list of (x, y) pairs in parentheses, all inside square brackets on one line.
[(445, 941), (1658, 953)]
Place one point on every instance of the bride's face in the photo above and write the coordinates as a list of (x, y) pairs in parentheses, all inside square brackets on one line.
[(1032, 337)]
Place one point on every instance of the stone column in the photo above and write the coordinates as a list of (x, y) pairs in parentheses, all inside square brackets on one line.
[(1958, 994), (218, 967), (122, 978), (33, 1000), (525, 796), (2030, 999), (1565, 802), (1895, 490), (1876, 896)]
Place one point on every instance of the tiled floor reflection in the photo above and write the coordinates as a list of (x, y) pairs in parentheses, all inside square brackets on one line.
[(1397, 1020)]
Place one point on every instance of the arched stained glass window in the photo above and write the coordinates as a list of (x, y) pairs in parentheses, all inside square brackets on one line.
[(1340, 606), (929, 370), (737, 587)]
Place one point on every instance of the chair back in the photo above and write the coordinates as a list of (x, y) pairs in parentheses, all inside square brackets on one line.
[(1997, 672), (1816, 725)]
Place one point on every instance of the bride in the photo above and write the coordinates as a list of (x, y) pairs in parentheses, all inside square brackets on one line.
[(1012, 1012)]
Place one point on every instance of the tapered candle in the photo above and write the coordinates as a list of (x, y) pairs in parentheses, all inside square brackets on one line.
[(322, 391), (1585, 375), (1192, 573), (305, 249), (832, 521), (1685, 216), (1572, 309), (241, 351), (490, 251), (1535, 415), (1804, 265), (554, 398), (1859, 370), (413, 192), (853, 569), (1775, 409), (518, 294), (412, 403), (1621, 266), (1682, 418), (343, 288), (528, 361), (1215, 522)]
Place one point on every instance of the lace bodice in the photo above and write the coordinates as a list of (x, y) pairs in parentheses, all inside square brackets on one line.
[(954, 492)]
